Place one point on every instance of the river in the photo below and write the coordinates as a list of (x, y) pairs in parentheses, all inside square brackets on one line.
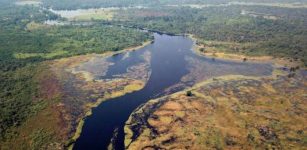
[(172, 58)]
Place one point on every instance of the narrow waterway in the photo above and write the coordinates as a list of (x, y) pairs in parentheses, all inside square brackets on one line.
[(171, 60)]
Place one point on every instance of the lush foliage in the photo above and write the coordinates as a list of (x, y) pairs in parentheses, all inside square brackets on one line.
[(19, 97), (278, 32), (23, 48)]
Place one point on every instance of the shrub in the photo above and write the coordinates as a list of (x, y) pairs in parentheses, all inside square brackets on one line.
[(189, 93)]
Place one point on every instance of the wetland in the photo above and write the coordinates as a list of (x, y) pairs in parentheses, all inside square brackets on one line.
[(119, 75), (173, 66)]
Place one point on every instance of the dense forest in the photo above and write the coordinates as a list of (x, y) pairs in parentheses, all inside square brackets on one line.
[(23, 49), (282, 35), (77, 4)]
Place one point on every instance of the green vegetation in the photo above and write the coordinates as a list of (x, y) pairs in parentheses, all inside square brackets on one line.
[(19, 97), (26, 42), (244, 33), (39, 138), (189, 93), (96, 15), (20, 47), (77, 4)]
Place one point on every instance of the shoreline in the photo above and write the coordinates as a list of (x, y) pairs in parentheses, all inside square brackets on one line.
[(276, 72), (277, 62), (196, 49), (78, 129), (109, 53), (89, 113), (128, 131), (151, 104)]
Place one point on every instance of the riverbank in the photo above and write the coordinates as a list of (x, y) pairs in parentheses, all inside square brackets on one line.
[(215, 53), (82, 82), (182, 120), (224, 112), (89, 83), (138, 122)]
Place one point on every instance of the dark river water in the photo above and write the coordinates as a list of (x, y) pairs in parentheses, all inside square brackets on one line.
[(171, 59)]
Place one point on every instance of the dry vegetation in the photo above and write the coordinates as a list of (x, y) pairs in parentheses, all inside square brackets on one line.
[(238, 52), (82, 90), (70, 88), (225, 113), (48, 122)]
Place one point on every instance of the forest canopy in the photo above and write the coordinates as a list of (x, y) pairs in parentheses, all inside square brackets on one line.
[(77, 4), (23, 50)]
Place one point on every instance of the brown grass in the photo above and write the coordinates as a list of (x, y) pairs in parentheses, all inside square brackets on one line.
[(49, 120), (264, 113)]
